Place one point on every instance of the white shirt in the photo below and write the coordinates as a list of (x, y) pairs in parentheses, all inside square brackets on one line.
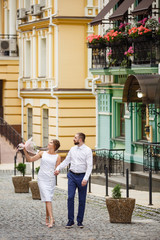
[(81, 160)]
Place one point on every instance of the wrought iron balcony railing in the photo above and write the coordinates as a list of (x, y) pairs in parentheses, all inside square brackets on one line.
[(146, 52), (8, 45), (151, 157)]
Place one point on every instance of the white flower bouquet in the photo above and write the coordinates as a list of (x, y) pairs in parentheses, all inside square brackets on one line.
[(29, 145)]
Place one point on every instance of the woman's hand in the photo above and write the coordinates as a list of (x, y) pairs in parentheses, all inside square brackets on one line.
[(56, 172)]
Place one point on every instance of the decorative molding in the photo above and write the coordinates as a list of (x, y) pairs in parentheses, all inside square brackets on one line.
[(105, 113), (28, 84), (44, 102), (90, 10), (34, 84), (28, 101)]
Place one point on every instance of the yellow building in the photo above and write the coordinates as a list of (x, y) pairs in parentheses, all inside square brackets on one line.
[(54, 82), (10, 104)]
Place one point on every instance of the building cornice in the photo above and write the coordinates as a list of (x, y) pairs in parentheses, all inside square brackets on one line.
[(44, 23), (67, 93)]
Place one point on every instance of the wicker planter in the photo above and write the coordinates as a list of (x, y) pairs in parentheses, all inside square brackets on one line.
[(35, 190), (21, 184), (120, 210)]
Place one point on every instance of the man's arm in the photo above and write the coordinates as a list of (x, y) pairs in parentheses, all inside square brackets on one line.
[(63, 164), (89, 160)]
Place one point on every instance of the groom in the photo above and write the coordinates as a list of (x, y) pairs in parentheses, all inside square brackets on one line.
[(80, 159)]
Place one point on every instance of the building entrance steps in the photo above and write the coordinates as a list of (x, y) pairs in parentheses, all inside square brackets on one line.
[(112, 180), (140, 181)]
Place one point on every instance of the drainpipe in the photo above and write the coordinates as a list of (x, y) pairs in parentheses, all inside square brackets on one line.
[(95, 94), (56, 65), (56, 12), (19, 96)]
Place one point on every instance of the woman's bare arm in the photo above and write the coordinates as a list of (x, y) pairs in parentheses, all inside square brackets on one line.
[(58, 161), (34, 158)]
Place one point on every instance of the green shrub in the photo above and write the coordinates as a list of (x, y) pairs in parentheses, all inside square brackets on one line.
[(21, 168), (116, 192), (37, 169)]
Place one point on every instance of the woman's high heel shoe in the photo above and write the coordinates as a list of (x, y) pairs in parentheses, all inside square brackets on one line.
[(52, 222)]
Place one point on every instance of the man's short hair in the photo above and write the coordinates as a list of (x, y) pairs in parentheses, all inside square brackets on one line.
[(82, 136)]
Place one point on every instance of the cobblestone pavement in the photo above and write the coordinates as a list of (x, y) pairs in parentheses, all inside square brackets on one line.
[(23, 218)]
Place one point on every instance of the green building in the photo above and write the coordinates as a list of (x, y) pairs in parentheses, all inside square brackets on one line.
[(126, 58)]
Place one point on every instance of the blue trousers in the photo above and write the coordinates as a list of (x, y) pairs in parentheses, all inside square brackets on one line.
[(74, 181)]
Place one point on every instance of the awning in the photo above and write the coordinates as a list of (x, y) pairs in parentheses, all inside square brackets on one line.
[(149, 86), (142, 7), (98, 19), (121, 10)]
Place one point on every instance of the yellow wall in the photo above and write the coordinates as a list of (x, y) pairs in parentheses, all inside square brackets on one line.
[(72, 46), (71, 8), (75, 115), (9, 70)]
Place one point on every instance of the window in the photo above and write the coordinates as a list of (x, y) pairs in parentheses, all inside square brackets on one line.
[(143, 123), (140, 122), (42, 57), (118, 120), (29, 123), (45, 127), (102, 102), (122, 120), (27, 72)]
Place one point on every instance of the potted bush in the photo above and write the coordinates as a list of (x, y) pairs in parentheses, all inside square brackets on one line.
[(21, 183), (120, 209), (34, 187)]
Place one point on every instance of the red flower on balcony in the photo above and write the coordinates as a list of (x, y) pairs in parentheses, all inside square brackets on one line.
[(113, 35), (94, 39), (138, 31)]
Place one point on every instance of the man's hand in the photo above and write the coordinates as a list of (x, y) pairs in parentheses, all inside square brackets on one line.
[(83, 183), (56, 172)]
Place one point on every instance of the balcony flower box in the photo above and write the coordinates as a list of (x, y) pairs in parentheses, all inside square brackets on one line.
[(97, 45), (143, 38)]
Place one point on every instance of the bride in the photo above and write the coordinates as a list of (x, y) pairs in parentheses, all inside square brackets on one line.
[(46, 178)]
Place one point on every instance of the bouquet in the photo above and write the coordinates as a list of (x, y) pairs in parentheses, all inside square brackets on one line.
[(29, 145)]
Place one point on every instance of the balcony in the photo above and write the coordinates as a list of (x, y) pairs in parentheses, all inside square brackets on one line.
[(144, 60), (8, 46)]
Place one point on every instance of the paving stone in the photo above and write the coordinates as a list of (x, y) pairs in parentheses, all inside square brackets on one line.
[(21, 217)]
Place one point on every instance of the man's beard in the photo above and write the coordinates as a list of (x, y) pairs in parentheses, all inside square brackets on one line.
[(76, 143)]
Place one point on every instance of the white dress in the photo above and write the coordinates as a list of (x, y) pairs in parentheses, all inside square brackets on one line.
[(46, 177)]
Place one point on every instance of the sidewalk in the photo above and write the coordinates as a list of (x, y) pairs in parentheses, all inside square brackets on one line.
[(22, 218), (142, 197)]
